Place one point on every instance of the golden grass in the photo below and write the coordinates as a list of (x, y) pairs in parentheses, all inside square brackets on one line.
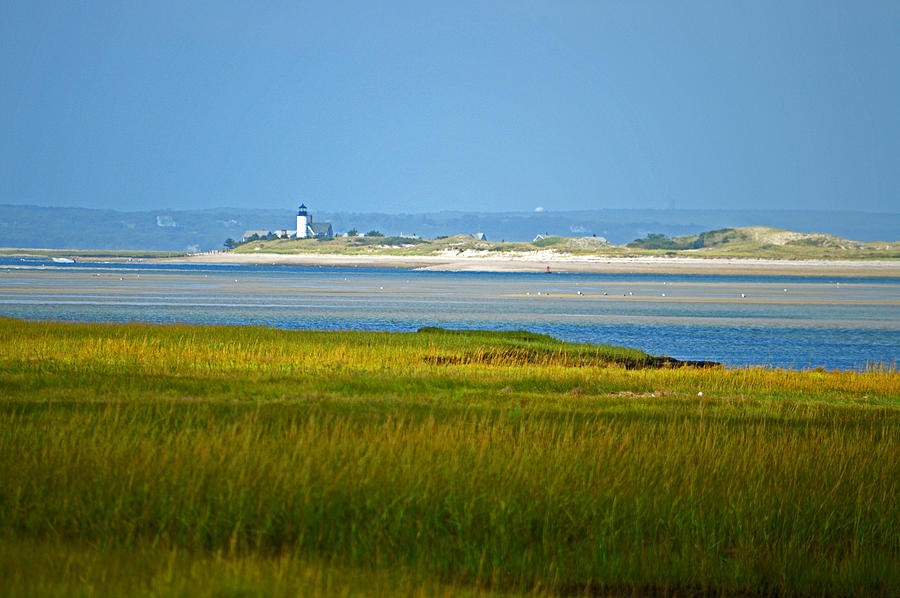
[(270, 462)]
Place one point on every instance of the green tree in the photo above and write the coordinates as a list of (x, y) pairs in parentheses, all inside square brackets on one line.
[(352, 232), (374, 233), (230, 243)]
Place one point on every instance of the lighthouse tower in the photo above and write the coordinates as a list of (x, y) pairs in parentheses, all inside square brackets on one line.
[(302, 222)]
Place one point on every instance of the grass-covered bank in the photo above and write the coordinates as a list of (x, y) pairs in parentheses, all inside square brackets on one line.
[(183, 460), (749, 242)]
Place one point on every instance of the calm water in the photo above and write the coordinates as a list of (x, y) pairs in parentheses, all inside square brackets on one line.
[(780, 321)]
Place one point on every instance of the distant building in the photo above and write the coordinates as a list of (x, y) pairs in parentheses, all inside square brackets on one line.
[(479, 237), (306, 228), (302, 222), (320, 229), (262, 234)]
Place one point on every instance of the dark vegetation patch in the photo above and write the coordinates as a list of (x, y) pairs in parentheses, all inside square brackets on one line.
[(549, 241), (713, 238), (522, 347)]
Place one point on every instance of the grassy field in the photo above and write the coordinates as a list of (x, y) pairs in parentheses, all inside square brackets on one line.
[(147, 460), (748, 242)]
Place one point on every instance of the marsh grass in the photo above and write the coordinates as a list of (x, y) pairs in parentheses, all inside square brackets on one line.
[(56, 569), (260, 461)]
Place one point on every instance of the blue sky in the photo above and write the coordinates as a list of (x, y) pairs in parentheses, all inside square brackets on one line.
[(478, 106)]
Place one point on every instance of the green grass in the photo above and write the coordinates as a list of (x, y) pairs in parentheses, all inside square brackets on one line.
[(175, 460), (66, 569)]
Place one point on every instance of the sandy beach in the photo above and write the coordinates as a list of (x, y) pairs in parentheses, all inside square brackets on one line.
[(539, 261)]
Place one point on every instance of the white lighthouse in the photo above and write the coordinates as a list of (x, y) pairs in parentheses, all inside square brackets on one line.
[(302, 222)]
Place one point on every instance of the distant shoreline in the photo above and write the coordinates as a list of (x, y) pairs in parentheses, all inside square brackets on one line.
[(539, 261)]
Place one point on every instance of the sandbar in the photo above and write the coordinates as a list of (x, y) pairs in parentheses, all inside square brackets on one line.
[(539, 261)]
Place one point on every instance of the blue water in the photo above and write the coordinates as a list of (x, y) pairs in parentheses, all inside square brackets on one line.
[(796, 322)]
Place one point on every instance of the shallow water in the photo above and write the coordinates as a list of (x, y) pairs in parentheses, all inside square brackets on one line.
[(796, 322)]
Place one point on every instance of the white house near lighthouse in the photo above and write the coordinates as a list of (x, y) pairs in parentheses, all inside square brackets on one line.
[(307, 228)]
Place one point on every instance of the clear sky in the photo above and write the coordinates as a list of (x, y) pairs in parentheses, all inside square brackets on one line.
[(466, 105)]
